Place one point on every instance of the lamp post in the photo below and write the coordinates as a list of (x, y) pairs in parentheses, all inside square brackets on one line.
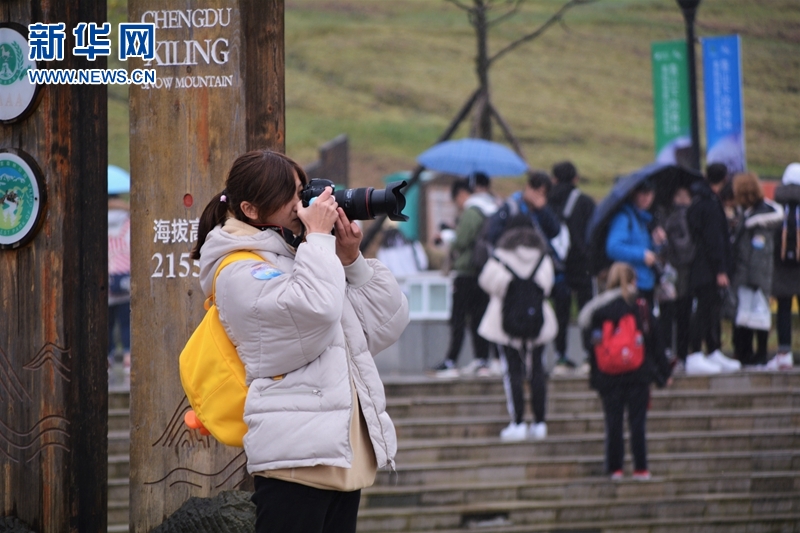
[(689, 8)]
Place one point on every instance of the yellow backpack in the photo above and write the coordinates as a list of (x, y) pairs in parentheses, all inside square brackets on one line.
[(212, 374)]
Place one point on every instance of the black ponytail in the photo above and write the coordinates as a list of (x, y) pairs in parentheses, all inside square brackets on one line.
[(213, 215)]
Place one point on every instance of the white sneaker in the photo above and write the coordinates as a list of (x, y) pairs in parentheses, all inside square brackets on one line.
[(697, 363), (474, 367), (538, 431), (726, 364), (781, 361), (514, 432), (495, 367)]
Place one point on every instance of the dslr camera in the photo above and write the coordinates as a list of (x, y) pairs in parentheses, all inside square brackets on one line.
[(365, 203)]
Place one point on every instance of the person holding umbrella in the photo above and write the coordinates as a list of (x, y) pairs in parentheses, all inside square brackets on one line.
[(632, 240)]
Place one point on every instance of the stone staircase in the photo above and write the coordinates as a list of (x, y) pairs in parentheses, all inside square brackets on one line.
[(724, 452)]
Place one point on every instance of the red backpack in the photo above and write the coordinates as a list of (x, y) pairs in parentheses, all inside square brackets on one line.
[(621, 347)]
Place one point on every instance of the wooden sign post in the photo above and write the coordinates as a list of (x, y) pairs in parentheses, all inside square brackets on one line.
[(218, 93), (53, 300)]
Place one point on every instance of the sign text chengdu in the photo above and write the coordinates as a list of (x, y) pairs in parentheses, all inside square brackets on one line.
[(194, 38)]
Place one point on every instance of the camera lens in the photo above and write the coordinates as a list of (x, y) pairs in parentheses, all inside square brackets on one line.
[(362, 204)]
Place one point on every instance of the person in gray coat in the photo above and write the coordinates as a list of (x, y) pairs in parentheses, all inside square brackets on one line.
[(306, 322), (753, 244), (786, 277)]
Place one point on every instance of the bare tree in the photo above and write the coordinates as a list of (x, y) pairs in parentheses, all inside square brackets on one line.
[(483, 15)]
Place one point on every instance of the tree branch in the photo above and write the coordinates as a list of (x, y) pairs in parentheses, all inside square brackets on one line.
[(556, 17), (508, 14), (460, 5)]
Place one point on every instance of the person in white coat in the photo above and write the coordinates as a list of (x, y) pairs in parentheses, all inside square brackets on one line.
[(305, 322), (521, 249)]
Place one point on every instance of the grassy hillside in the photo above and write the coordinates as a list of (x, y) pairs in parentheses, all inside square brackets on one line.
[(392, 74)]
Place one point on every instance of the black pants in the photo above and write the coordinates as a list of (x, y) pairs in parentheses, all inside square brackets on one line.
[(469, 303), (676, 318), (706, 318), (514, 379), (634, 397), (784, 322), (284, 507), (743, 346), (562, 295)]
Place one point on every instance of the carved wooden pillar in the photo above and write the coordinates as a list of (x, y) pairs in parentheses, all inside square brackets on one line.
[(218, 93)]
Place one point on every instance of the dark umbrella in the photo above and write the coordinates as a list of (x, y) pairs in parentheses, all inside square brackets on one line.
[(665, 179)]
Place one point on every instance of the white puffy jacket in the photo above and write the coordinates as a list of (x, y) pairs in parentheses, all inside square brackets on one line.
[(494, 280), (317, 323)]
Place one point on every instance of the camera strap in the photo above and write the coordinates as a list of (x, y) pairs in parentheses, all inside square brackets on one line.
[(291, 239)]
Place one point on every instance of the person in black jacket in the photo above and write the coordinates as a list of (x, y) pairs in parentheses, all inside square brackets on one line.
[(575, 209), (709, 274), (629, 390)]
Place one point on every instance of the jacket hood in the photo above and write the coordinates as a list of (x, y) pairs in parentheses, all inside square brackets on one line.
[(767, 215), (791, 176), (522, 260), (787, 193), (483, 201), (602, 299), (234, 236)]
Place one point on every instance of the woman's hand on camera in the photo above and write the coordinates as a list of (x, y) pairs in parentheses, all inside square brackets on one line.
[(348, 239), (321, 214)]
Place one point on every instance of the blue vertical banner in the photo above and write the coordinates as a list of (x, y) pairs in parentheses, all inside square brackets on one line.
[(722, 77)]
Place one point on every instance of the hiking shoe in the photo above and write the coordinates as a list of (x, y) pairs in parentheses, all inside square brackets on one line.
[(514, 432), (698, 364), (538, 431), (726, 364), (447, 369), (642, 475), (781, 361), (617, 475)]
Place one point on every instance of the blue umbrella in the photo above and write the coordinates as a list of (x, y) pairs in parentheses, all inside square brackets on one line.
[(665, 179), (119, 181), (465, 156)]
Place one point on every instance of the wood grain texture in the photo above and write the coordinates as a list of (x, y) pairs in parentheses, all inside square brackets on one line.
[(53, 308), (184, 139)]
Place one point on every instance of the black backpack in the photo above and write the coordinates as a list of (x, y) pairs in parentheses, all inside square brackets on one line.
[(523, 316), (789, 235), (679, 238)]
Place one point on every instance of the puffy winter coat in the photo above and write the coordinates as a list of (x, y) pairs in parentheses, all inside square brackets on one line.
[(753, 244), (628, 239), (494, 280), (610, 305), (785, 279), (316, 323)]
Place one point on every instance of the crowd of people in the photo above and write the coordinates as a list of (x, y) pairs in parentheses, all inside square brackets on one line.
[(716, 250)]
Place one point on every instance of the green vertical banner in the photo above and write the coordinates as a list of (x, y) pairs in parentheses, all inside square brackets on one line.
[(671, 101)]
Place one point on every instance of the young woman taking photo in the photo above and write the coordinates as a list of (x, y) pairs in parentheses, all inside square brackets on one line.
[(306, 322)]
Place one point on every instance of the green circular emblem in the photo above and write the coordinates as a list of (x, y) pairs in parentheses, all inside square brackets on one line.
[(20, 200), (17, 94)]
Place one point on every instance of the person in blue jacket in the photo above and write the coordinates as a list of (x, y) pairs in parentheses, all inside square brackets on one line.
[(631, 239)]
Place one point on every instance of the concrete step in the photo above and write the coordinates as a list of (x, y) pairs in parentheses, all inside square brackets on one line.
[(578, 424), (118, 528), (579, 489), (424, 451), (119, 490), (119, 419), (119, 442), (745, 380), (563, 513), (566, 467), (119, 466), (119, 397), (776, 523), (118, 513), (588, 401)]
